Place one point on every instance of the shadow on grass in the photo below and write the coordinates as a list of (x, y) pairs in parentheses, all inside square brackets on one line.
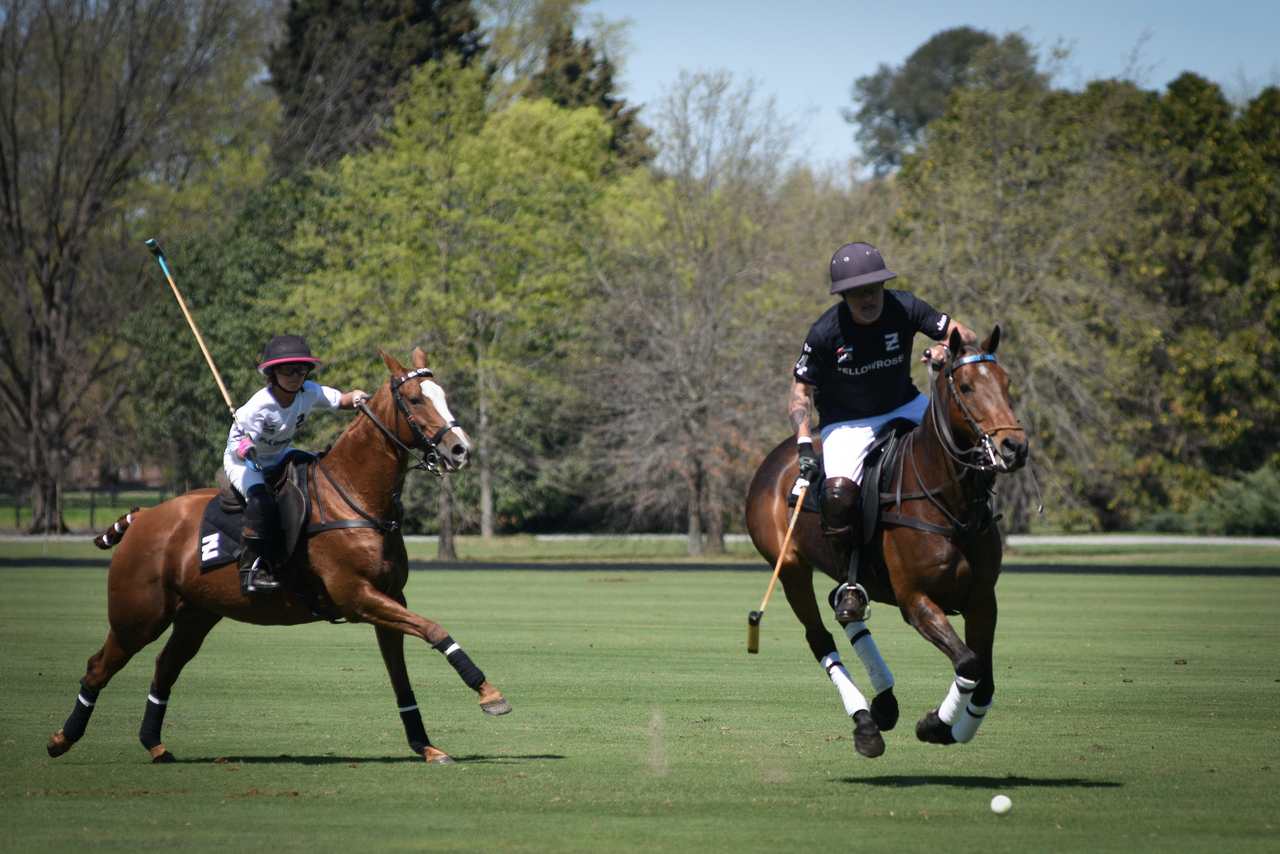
[(962, 782), (286, 759)]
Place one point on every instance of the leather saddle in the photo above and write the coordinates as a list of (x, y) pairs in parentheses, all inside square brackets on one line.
[(288, 481), (877, 470)]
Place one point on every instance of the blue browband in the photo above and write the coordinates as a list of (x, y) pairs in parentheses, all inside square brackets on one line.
[(977, 357)]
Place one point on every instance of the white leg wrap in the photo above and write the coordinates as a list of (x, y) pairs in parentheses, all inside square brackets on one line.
[(957, 698), (966, 728), (849, 693), (869, 653)]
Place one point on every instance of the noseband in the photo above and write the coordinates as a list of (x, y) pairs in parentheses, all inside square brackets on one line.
[(431, 460), (983, 457)]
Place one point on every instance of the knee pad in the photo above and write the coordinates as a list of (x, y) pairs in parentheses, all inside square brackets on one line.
[(837, 504), (259, 511)]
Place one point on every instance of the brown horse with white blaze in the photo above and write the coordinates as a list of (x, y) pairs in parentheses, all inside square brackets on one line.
[(938, 539), (356, 565)]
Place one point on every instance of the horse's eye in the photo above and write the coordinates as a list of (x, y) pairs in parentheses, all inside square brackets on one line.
[(964, 388), (415, 400)]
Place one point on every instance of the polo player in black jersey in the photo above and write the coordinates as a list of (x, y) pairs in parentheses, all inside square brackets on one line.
[(856, 370)]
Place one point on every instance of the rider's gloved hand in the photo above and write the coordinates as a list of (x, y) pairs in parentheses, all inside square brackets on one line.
[(249, 452), (809, 465)]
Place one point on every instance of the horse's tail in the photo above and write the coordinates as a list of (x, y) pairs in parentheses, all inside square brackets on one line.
[(115, 533)]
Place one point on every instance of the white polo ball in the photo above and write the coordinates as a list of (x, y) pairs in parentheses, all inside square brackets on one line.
[(1000, 805)]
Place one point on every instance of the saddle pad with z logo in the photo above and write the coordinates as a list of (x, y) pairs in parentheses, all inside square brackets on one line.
[(219, 536)]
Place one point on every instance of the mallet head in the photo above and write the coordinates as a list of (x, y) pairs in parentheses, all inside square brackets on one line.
[(155, 248), (753, 632)]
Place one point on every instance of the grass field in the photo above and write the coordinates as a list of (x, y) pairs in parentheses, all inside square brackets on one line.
[(641, 724), (525, 548)]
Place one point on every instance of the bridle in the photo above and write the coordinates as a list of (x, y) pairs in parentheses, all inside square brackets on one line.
[(430, 461), (983, 456), (981, 459)]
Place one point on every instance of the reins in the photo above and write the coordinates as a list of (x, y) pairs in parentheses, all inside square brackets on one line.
[(986, 445), (984, 470), (429, 462)]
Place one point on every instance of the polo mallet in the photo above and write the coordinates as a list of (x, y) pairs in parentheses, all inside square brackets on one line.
[(159, 253), (753, 619)]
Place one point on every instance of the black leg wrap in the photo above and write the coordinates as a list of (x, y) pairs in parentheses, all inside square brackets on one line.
[(983, 693), (461, 662), (153, 718), (412, 720), (73, 729)]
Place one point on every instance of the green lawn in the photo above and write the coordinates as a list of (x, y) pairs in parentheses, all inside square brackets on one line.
[(526, 548), (79, 509), (641, 724)]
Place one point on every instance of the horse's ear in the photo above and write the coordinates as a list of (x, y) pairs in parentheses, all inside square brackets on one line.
[(955, 343), (396, 369), (993, 341), (419, 358)]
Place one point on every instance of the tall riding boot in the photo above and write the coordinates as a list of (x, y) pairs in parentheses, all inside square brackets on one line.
[(255, 568), (259, 520), (837, 508)]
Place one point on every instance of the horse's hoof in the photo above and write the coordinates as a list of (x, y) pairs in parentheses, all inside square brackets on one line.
[(436, 757), (58, 744), (499, 706), (164, 758), (932, 730), (866, 735), (884, 710)]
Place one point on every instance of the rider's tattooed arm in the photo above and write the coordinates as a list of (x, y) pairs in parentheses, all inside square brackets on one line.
[(799, 407)]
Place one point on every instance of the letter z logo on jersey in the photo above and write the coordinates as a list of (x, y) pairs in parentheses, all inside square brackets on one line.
[(891, 342)]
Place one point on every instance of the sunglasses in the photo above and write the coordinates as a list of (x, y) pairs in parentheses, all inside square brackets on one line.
[(293, 370)]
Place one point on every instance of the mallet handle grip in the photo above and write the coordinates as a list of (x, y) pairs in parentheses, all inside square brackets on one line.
[(791, 526)]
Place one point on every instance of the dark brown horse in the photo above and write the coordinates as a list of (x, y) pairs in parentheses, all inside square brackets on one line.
[(356, 569), (939, 544)]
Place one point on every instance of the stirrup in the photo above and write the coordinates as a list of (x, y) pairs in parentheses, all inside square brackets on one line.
[(852, 603), (256, 578)]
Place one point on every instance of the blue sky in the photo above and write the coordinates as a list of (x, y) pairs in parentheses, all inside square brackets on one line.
[(808, 55)]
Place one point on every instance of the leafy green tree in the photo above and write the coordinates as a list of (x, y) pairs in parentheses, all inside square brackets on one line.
[(1245, 507), (896, 104), (689, 273), (1006, 207), (100, 104), (576, 75), (338, 67), (465, 234), (234, 281), (1207, 247)]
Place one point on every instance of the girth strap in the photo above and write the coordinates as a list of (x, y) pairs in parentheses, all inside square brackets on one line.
[(342, 523), (948, 531)]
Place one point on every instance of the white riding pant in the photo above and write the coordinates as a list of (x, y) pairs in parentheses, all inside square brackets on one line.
[(845, 443), (243, 477)]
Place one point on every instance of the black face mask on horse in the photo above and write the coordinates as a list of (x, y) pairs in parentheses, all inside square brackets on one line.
[(933, 534)]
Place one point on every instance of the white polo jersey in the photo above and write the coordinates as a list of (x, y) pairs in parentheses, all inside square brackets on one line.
[(271, 426)]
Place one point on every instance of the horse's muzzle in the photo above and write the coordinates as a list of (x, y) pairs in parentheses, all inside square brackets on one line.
[(454, 450), (1013, 451)]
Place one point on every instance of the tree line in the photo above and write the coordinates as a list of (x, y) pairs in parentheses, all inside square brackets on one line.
[(613, 295)]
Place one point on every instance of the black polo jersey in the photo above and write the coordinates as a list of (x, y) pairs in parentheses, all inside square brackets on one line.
[(861, 371)]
